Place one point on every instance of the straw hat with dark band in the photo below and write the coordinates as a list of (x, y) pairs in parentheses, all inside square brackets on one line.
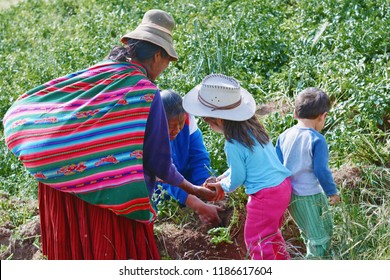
[(156, 27), (220, 96)]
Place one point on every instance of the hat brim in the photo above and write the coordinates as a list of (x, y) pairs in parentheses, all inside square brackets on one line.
[(244, 111), (146, 34)]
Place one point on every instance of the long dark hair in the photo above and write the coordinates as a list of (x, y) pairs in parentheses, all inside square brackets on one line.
[(135, 49), (245, 132)]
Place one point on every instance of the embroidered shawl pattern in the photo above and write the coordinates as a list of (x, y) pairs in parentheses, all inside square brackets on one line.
[(83, 134)]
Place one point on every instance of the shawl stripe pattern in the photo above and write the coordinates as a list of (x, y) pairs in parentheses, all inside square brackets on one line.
[(83, 134)]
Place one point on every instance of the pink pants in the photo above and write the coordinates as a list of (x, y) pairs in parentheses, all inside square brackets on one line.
[(265, 212)]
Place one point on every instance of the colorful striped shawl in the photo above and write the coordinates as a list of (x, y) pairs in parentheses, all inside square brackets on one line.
[(83, 134)]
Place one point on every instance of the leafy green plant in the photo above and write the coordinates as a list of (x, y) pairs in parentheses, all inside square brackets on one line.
[(171, 210), (224, 234), (235, 201)]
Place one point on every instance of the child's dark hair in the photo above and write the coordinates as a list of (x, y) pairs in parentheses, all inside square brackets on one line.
[(139, 49), (172, 103), (311, 102), (244, 131)]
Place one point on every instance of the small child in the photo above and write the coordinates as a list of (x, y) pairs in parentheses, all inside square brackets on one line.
[(304, 151), (252, 161)]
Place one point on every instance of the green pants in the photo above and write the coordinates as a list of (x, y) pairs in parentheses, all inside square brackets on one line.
[(312, 216)]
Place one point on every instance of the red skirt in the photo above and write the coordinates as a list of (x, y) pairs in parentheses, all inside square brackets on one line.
[(72, 229)]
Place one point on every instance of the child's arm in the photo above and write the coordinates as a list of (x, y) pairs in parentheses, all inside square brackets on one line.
[(236, 174), (321, 168)]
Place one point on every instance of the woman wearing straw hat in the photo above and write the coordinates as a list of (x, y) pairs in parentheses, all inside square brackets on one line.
[(230, 109), (96, 140)]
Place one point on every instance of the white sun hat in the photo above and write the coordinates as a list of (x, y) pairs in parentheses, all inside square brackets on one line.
[(220, 96)]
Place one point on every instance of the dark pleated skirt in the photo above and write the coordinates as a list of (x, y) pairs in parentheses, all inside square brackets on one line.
[(72, 229)]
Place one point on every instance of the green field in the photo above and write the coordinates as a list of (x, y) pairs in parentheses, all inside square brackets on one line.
[(275, 48)]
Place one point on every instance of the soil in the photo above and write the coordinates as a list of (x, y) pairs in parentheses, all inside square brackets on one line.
[(175, 242), (193, 242), (21, 243), (280, 106)]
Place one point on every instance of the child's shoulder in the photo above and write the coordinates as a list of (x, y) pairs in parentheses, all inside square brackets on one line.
[(288, 131), (302, 132)]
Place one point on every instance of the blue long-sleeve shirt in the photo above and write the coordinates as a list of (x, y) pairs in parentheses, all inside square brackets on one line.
[(190, 157), (256, 170), (304, 152)]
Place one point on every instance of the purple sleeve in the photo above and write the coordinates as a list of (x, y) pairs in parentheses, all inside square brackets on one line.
[(157, 151)]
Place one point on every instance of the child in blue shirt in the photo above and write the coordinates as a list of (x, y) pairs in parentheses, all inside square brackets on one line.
[(304, 151), (252, 161)]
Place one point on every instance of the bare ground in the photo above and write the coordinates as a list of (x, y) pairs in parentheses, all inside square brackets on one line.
[(179, 242), (188, 242)]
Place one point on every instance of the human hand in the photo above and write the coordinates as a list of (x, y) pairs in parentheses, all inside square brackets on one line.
[(204, 193), (334, 199), (217, 188), (201, 192), (211, 179), (208, 213)]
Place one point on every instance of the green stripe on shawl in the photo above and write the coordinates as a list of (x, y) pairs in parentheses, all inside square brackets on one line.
[(102, 93)]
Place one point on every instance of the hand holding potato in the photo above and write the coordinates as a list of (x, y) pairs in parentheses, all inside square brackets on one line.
[(216, 187)]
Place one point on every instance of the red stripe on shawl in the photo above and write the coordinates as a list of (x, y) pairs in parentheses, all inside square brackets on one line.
[(46, 91), (67, 89), (103, 180), (84, 86), (129, 206), (80, 85), (109, 119), (56, 81), (106, 97), (94, 147)]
